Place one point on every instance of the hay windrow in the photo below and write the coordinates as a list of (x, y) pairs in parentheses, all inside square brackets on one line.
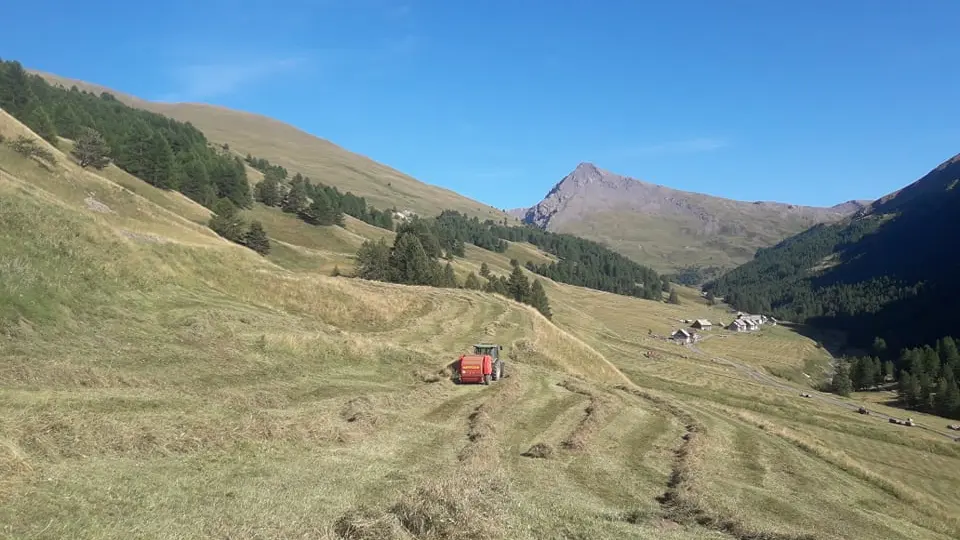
[(481, 447), (448, 509), (597, 412), (680, 502)]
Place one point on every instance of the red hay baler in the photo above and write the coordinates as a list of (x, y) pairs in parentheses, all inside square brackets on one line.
[(482, 366)]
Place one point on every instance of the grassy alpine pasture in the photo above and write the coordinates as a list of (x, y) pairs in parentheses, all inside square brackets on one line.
[(160, 382)]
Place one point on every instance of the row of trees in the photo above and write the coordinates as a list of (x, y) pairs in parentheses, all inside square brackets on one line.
[(926, 377), (582, 262), (410, 262), (315, 203), (454, 230), (162, 151)]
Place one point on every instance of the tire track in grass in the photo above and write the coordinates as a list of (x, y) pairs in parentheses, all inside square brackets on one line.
[(679, 502)]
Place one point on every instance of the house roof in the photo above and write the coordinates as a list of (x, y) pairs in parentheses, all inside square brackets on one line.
[(703, 322), (682, 332)]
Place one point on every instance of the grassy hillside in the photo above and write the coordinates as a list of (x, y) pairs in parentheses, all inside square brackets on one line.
[(312, 156), (159, 381), (674, 245)]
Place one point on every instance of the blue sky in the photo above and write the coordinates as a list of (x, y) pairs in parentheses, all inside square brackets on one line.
[(810, 102)]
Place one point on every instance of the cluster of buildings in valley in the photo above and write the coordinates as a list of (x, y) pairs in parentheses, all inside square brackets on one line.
[(743, 323)]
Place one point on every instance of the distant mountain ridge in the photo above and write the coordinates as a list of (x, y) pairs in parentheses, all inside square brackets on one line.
[(888, 271), (668, 228)]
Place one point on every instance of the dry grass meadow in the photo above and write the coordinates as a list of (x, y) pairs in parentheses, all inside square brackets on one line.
[(159, 382)]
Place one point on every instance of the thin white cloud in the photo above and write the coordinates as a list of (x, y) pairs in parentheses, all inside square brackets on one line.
[(200, 81), (688, 146)]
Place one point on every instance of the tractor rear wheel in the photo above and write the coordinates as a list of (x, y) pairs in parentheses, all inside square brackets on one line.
[(497, 371)]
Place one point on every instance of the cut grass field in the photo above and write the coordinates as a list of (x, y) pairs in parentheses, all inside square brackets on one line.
[(158, 381)]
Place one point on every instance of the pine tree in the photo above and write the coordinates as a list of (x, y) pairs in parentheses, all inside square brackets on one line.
[(428, 238), (459, 248), (517, 286), (256, 238), (16, 95), (858, 372), (319, 212), (295, 200), (950, 403), (409, 262), (472, 282), (539, 300), (267, 191), (674, 297), (39, 121), (908, 389), (501, 287), (927, 388), (841, 383), (91, 149), (931, 361), (888, 370), (67, 121), (132, 154), (373, 261), (161, 163), (226, 221), (194, 181), (484, 270), (449, 278)]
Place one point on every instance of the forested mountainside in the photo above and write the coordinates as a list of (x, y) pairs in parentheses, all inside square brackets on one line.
[(891, 271), (164, 152)]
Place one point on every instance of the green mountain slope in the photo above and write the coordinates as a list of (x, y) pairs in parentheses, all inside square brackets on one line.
[(890, 271)]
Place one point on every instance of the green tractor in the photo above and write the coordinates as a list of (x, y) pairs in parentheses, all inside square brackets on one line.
[(493, 351)]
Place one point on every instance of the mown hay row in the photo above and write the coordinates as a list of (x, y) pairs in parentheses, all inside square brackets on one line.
[(680, 502), (600, 409)]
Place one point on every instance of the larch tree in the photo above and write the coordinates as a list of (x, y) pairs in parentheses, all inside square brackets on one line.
[(91, 149)]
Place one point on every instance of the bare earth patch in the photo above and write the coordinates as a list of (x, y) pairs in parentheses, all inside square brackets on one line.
[(97, 206)]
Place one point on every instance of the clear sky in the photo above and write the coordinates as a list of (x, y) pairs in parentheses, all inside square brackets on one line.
[(810, 102)]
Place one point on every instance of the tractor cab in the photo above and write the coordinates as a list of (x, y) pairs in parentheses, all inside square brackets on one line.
[(488, 349)]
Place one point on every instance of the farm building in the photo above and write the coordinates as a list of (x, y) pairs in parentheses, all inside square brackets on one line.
[(738, 325), (702, 324), (682, 336), (744, 324)]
